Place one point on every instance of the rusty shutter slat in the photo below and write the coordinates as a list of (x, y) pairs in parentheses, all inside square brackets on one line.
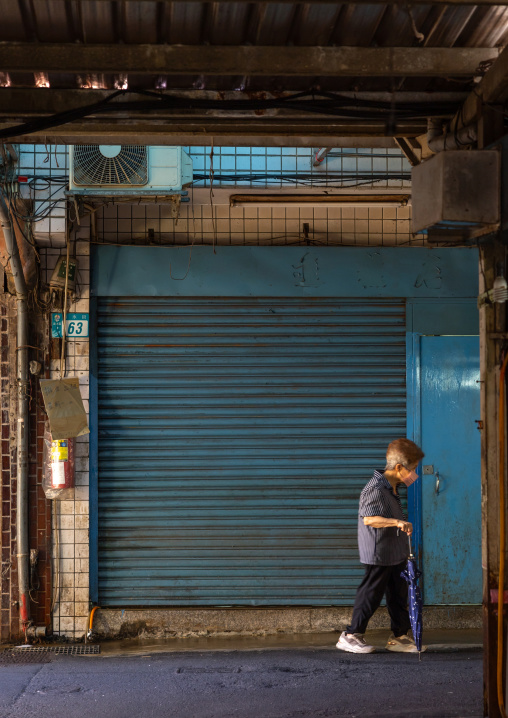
[(235, 436)]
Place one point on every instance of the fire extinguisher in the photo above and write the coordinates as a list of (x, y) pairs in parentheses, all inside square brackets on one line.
[(62, 464), (58, 477)]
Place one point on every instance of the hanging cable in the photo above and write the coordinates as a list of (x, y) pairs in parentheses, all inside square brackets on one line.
[(330, 180), (62, 355), (56, 586), (323, 103)]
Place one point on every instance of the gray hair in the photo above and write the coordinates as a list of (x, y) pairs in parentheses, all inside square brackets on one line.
[(402, 451)]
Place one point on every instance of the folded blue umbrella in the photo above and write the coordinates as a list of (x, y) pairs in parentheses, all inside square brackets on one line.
[(412, 574)]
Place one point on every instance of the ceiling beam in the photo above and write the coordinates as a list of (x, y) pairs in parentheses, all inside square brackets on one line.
[(248, 131), (409, 151), (322, 132), (241, 135), (243, 60)]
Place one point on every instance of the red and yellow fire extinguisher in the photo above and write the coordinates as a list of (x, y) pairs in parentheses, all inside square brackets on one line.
[(58, 476), (62, 464)]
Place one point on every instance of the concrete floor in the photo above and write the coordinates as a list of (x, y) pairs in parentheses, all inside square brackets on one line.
[(253, 677), (437, 641)]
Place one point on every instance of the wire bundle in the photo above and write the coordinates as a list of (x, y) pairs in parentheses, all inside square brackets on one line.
[(313, 102), (308, 179)]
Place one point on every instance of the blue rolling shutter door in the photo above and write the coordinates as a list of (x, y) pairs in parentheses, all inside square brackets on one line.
[(235, 436)]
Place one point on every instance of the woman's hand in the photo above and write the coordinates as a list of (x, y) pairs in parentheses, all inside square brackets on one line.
[(379, 522), (406, 526)]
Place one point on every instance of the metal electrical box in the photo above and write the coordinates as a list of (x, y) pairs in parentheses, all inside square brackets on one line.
[(457, 190)]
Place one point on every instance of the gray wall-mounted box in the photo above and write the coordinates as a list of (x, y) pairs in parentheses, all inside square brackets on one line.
[(457, 188)]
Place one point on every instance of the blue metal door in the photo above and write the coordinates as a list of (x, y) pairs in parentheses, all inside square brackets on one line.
[(235, 436), (451, 502)]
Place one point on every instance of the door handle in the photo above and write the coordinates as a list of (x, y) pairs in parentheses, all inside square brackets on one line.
[(428, 470)]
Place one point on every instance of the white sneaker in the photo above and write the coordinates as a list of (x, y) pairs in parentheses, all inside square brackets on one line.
[(403, 644), (353, 643)]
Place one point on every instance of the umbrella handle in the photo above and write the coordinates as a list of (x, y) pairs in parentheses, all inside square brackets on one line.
[(410, 548)]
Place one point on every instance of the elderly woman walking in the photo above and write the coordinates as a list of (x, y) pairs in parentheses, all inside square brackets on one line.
[(382, 540)]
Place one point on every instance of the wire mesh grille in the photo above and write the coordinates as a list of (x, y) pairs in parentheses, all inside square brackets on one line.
[(91, 167), (273, 226), (260, 167)]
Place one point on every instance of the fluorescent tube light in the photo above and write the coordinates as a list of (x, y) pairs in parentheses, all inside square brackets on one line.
[(324, 200)]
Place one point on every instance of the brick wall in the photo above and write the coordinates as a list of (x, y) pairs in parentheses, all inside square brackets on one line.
[(9, 613), (7, 352), (39, 513), (39, 507)]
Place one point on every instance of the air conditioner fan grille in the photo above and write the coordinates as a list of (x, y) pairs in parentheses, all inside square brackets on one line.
[(91, 167)]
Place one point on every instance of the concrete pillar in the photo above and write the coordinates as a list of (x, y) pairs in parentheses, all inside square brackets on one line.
[(493, 339)]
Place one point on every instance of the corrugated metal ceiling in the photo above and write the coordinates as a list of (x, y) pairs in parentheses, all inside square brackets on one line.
[(240, 23), (80, 47), (193, 23)]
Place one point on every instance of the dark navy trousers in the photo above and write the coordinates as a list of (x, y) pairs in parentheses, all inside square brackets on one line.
[(380, 581)]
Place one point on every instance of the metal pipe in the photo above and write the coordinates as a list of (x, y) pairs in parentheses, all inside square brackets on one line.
[(320, 155), (439, 140), (22, 423)]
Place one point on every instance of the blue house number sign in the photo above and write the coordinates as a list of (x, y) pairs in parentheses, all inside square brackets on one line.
[(76, 325)]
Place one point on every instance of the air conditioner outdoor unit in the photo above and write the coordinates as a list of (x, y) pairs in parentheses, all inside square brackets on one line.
[(120, 170)]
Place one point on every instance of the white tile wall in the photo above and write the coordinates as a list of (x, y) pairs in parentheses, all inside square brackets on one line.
[(72, 607), (221, 224)]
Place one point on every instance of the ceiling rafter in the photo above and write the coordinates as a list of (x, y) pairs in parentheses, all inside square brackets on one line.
[(242, 134), (244, 60)]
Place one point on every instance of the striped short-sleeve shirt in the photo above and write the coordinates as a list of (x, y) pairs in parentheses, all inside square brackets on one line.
[(387, 546)]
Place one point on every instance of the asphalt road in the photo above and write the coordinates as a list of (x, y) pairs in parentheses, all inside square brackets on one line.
[(246, 684)]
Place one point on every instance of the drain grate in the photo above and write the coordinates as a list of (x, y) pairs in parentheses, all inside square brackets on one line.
[(78, 650), (43, 654), (9, 657)]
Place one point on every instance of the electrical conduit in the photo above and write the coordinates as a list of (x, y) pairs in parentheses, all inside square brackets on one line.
[(439, 140), (22, 428)]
